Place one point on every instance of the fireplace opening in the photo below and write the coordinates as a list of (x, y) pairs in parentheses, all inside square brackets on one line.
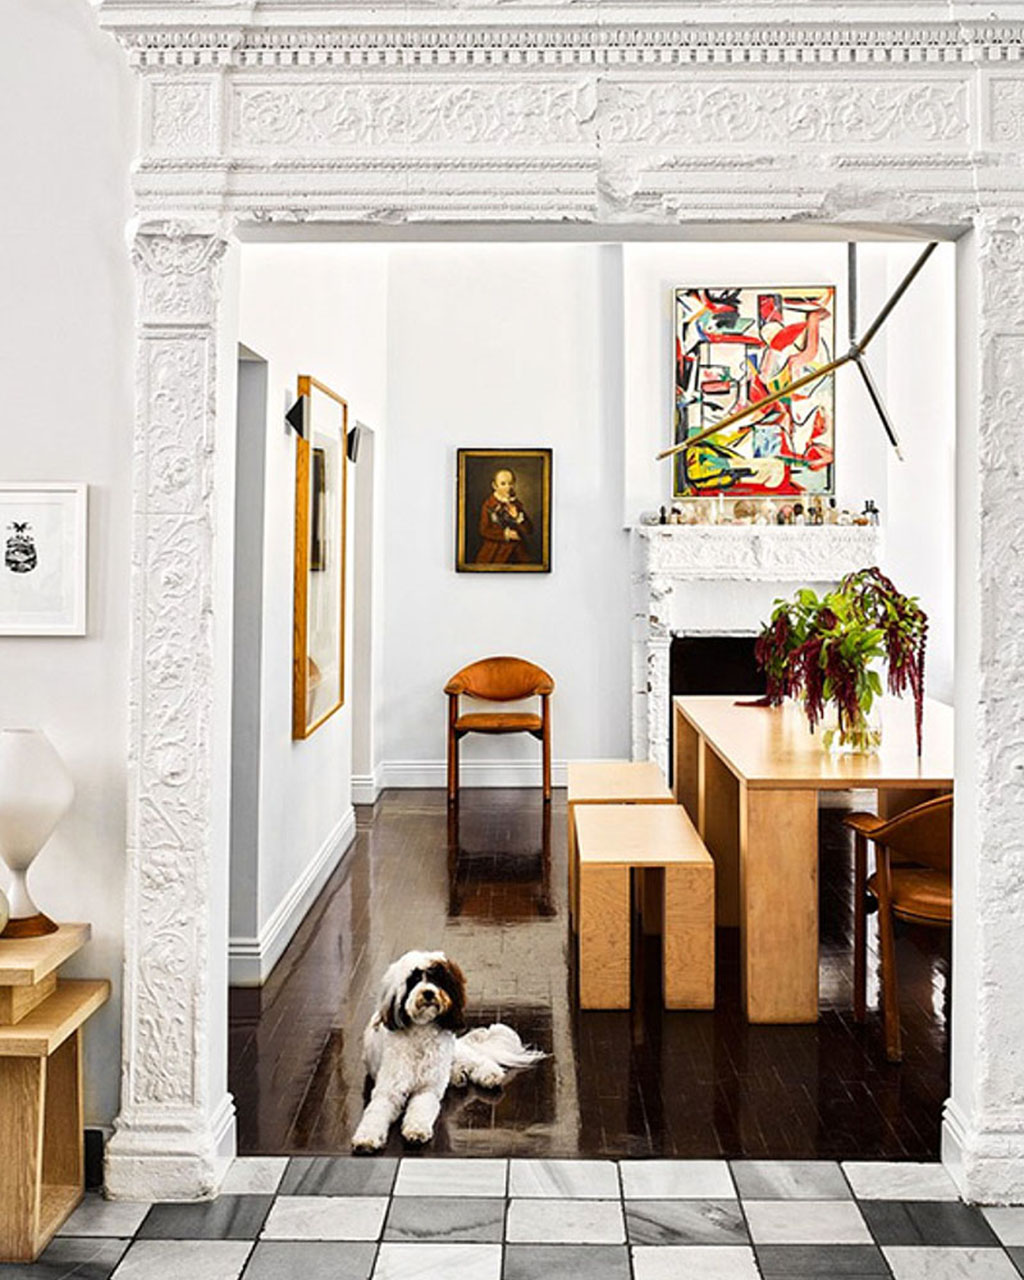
[(712, 664)]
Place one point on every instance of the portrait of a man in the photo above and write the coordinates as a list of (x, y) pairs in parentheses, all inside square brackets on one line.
[(504, 510)]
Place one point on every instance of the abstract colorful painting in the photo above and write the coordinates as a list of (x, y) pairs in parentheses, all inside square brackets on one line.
[(734, 347)]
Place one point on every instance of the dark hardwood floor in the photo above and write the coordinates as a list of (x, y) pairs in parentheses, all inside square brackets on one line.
[(490, 889)]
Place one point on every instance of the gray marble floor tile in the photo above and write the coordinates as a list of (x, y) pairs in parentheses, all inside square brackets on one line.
[(438, 1262), (171, 1259), (566, 1262), (839, 1260), (69, 1258), (98, 1217), (887, 1180), (659, 1222), (326, 1218), (927, 1222), (564, 1179), (790, 1180), (694, 1262), (1016, 1253), (677, 1180), (226, 1218), (445, 1218), (1008, 1224), (311, 1260), (909, 1262), (338, 1176), (805, 1222), (565, 1222), (431, 1177), (254, 1176)]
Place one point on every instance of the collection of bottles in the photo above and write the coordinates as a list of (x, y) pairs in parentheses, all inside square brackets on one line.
[(814, 510)]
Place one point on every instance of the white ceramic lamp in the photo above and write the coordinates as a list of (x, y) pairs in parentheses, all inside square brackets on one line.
[(35, 793)]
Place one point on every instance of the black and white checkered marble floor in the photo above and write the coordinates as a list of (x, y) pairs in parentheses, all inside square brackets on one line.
[(326, 1218)]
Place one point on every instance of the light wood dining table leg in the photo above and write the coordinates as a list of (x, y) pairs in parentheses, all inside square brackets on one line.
[(779, 904)]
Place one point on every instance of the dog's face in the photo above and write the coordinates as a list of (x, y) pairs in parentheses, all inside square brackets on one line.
[(423, 987)]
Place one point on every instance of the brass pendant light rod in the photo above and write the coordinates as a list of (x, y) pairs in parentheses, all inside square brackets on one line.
[(855, 353)]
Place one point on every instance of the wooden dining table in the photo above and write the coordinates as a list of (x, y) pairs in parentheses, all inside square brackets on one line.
[(750, 777)]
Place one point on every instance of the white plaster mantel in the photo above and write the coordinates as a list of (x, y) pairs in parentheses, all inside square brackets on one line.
[(665, 556)]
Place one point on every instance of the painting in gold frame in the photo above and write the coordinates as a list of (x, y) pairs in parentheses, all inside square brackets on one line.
[(504, 511), (318, 666)]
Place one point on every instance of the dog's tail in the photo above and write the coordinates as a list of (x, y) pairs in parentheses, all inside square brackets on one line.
[(501, 1044)]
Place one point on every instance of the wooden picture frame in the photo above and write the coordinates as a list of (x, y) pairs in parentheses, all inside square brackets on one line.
[(503, 504), (321, 498), (44, 564)]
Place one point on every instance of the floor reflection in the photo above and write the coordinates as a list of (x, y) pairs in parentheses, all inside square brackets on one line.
[(486, 882)]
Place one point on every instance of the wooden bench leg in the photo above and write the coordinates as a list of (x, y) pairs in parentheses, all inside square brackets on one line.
[(573, 856), (604, 910), (688, 937)]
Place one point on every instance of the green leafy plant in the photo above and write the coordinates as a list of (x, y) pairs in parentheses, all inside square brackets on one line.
[(824, 651)]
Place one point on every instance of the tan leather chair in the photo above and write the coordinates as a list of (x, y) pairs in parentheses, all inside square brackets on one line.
[(912, 881), (498, 680)]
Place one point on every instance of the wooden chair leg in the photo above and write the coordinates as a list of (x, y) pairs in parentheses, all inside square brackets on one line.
[(887, 943), (860, 872), (453, 766), (546, 752)]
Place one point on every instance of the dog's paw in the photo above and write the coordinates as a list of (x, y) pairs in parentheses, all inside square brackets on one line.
[(488, 1077), (368, 1139), (460, 1077), (417, 1134)]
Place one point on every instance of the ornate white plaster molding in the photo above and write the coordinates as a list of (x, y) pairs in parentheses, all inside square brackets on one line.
[(170, 1130), (666, 556)]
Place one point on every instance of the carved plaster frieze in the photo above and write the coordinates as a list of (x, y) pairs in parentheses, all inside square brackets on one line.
[(753, 553), (180, 116), (447, 113), (776, 114)]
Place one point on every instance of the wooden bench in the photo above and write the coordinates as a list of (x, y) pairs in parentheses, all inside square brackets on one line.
[(41, 1135), (608, 782), (616, 843)]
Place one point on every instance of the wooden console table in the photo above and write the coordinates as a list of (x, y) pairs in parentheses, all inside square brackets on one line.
[(749, 777), (41, 1133)]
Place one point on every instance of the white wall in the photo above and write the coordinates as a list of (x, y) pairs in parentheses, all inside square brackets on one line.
[(306, 310), (67, 366), (503, 346)]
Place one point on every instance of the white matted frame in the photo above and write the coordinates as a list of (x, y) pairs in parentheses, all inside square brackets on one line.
[(44, 570)]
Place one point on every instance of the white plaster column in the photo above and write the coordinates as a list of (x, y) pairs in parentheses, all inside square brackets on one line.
[(983, 1132), (175, 1130)]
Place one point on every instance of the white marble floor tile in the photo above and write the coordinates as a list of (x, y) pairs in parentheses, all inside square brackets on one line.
[(438, 1262), (196, 1259), (890, 1180), (677, 1180), (325, 1218), (254, 1176), (694, 1262), (790, 1180), (806, 1222), (566, 1179), (452, 1178), (98, 1217), (565, 1222), (934, 1262), (1008, 1224)]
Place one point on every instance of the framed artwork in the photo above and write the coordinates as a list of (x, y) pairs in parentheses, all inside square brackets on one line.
[(733, 347), (503, 503), (43, 576), (318, 665)]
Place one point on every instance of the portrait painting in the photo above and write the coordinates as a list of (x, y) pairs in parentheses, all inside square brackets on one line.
[(503, 504), (733, 348)]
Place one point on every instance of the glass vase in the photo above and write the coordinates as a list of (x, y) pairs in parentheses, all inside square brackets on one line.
[(858, 736)]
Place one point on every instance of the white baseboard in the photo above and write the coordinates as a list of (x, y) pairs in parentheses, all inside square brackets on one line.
[(366, 787), (250, 960), (481, 773)]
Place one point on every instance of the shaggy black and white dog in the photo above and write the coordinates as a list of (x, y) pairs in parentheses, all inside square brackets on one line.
[(413, 1054)]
